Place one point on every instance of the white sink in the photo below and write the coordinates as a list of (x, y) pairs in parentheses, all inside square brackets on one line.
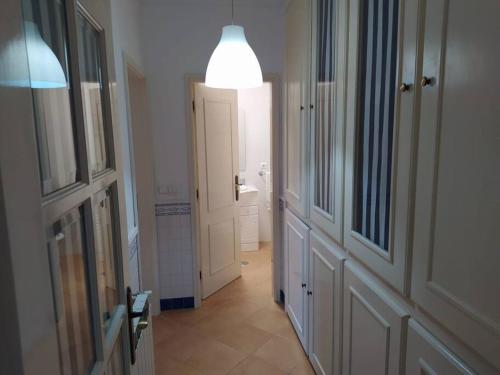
[(248, 195)]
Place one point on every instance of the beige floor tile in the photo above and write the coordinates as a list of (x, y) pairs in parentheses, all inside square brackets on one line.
[(239, 320), (255, 366), (268, 320), (282, 353), (182, 345), (215, 358), (166, 365), (244, 337), (303, 368)]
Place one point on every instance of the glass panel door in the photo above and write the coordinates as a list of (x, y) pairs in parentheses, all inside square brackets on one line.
[(374, 139)]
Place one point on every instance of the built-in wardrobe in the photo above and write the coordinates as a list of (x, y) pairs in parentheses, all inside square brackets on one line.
[(392, 185)]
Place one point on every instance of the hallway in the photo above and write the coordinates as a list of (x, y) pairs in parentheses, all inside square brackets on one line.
[(238, 330)]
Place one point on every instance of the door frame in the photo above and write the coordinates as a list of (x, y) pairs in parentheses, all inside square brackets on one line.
[(276, 163), (147, 260)]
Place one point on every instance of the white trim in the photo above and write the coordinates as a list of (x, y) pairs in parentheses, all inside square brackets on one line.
[(274, 79)]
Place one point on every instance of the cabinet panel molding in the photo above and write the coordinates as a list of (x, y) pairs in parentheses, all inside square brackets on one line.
[(374, 326)]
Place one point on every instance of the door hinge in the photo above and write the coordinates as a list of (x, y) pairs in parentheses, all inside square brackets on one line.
[(200, 275), (194, 106)]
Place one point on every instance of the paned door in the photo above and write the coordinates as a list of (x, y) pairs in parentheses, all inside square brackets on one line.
[(61, 185), (380, 135)]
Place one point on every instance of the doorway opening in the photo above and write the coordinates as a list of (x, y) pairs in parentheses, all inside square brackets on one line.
[(235, 182)]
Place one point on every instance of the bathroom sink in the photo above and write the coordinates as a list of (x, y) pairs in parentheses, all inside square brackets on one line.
[(248, 195)]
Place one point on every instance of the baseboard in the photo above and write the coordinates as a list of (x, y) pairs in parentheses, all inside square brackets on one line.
[(177, 303)]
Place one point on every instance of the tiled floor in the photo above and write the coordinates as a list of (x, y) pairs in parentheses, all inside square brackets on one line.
[(238, 331)]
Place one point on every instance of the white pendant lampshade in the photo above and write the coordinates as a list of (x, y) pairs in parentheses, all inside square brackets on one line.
[(45, 69), (233, 64)]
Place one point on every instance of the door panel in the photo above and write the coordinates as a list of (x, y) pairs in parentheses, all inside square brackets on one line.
[(296, 260), (217, 140), (328, 78), (325, 311), (427, 356), (374, 326), (457, 201), (297, 104), (380, 136)]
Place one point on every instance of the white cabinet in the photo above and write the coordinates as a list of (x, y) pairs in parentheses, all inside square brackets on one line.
[(456, 259), (297, 105), (373, 328), (380, 136), (325, 300), (328, 78), (426, 355), (296, 262)]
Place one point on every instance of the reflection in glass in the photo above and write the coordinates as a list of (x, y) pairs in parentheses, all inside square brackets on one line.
[(105, 258), (68, 256), (378, 63), (46, 43), (92, 93), (325, 106), (115, 365)]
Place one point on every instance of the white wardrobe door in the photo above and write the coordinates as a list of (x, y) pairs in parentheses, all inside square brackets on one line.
[(373, 328), (296, 257), (456, 276)]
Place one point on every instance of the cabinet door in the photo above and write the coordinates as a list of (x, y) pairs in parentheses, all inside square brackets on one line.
[(456, 275), (328, 75), (297, 61), (374, 326), (426, 355), (325, 301), (379, 135), (296, 257)]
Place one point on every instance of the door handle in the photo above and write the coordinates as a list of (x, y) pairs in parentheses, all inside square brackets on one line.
[(237, 187)]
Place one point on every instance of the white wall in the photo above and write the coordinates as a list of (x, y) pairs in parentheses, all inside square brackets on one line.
[(255, 105), (178, 38)]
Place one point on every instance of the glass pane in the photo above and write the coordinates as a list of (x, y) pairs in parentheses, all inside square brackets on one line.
[(325, 101), (68, 257), (47, 47), (105, 258), (92, 93), (378, 63), (115, 365)]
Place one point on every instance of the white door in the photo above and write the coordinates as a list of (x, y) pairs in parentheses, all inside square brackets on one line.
[(216, 127), (456, 255), (62, 222), (296, 259)]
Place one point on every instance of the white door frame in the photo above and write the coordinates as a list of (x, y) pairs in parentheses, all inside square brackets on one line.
[(276, 163), (148, 255)]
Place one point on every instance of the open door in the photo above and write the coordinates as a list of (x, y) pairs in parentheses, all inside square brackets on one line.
[(216, 127)]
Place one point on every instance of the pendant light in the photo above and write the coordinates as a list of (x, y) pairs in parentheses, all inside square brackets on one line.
[(233, 64), (45, 69)]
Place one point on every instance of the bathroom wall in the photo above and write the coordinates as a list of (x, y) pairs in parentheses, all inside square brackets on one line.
[(178, 37), (254, 107)]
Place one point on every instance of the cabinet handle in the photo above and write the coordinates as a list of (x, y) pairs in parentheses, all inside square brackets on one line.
[(309, 293), (301, 107), (303, 285), (426, 81), (405, 87), (311, 106)]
